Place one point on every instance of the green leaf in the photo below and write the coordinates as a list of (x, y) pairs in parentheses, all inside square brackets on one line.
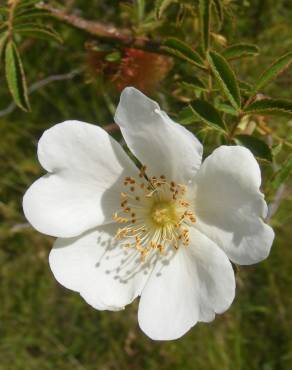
[(183, 51), (38, 32), (258, 147), (115, 56), (26, 4), (196, 84), (240, 50), (15, 76), (283, 174), (226, 108), (192, 87), (32, 14), (226, 78), (150, 26), (161, 6), (273, 71), (208, 114), (187, 117), (276, 149), (140, 9), (205, 6), (219, 11), (270, 107)]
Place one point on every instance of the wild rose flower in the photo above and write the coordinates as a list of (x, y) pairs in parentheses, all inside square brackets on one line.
[(166, 232)]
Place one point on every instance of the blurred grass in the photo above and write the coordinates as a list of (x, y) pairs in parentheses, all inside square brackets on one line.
[(43, 326)]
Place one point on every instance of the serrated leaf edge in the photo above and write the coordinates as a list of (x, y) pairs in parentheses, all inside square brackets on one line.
[(222, 83)]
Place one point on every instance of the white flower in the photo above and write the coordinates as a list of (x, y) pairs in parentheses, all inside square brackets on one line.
[(166, 232)]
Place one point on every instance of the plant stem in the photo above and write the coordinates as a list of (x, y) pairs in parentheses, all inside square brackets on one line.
[(12, 5), (123, 35)]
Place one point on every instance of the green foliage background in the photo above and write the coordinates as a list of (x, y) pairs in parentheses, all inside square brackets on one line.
[(42, 325)]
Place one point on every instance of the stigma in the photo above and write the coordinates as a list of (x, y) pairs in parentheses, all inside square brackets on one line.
[(155, 214)]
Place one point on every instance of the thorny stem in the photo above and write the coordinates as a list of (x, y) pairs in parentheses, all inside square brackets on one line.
[(249, 100), (100, 29), (93, 27)]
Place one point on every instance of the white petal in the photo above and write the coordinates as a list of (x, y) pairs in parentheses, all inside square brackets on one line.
[(229, 205), (186, 286), (82, 190), (107, 275), (165, 147)]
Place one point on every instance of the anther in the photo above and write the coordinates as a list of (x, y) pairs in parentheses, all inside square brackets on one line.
[(169, 214)]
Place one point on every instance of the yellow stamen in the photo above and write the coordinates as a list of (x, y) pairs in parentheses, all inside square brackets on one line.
[(160, 215)]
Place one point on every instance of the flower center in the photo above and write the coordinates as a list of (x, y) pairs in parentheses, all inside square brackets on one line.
[(164, 214), (155, 213)]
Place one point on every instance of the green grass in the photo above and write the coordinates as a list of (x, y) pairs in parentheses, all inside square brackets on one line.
[(44, 326)]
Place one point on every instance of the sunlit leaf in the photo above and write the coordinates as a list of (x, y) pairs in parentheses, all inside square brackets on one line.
[(226, 78), (115, 56), (258, 147), (226, 108), (15, 76), (161, 6), (207, 113), (183, 51), (273, 71), (140, 8), (240, 50), (187, 116), (270, 107), (38, 32), (276, 149)]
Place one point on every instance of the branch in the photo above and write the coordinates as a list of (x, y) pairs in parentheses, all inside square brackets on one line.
[(39, 84), (110, 128), (123, 35)]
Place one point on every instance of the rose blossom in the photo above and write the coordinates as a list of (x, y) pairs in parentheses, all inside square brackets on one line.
[(166, 232)]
